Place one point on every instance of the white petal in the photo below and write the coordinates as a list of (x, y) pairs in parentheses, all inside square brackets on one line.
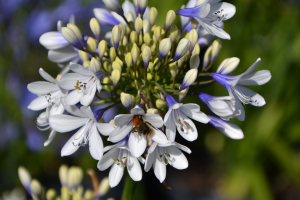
[(57, 109), (182, 147), (63, 55), (69, 148), (68, 81), (229, 129), (137, 111), (119, 133), (154, 120), (149, 161), (221, 108), (239, 109), (118, 17), (228, 10), (214, 30), (171, 128), (73, 97), (88, 112), (252, 67), (128, 6), (146, 13), (66, 123), (160, 170), (88, 98), (256, 78), (256, 99), (39, 103), (81, 70), (95, 144), (46, 76), (115, 175), (42, 87), (123, 119), (180, 159), (108, 159), (159, 136), (152, 147), (53, 40), (192, 106), (190, 134), (74, 110), (198, 116), (167, 115), (134, 168), (105, 128), (50, 138), (137, 145)]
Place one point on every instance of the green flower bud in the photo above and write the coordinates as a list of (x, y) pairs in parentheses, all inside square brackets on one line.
[(133, 37), (37, 191), (51, 194), (173, 69), (161, 104), (152, 111)]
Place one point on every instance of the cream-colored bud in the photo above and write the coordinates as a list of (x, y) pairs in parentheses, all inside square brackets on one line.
[(182, 94), (140, 39), (65, 193), (164, 48), (123, 30), (146, 56), (196, 49), (112, 53), (107, 66), (76, 196), (147, 39), (91, 44), (194, 23), (228, 65), (116, 35), (138, 25), (152, 111), (102, 48), (112, 122), (116, 65), (125, 41), (135, 53), (83, 55), (153, 15), (24, 176), (75, 29), (171, 15), (128, 59), (193, 37), (146, 26), (115, 76), (95, 27), (129, 27), (157, 32), (133, 37), (189, 78), (173, 32), (173, 69), (153, 28), (51, 194), (126, 100), (36, 190), (95, 65), (142, 5), (119, 61), (207, 57), (160, 104), (114, 5), (103, 187), (63, 174), (183, 46), (149, 77), (86, 63), (58, 77), (194, 61), (129, 16), (69, 35), (143, 46), (88, 195), (75, 175), (216, 47)]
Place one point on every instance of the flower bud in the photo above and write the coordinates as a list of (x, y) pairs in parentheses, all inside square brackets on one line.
[(126, 100), (25, 178), (138, 25), (189, 78), (88, 195), (114, 5), (228, 65), (152, 111), (146, 26), (129, 16), (147, 39), (196, 49), (75, 29), (75, 175), (142, 6), (106, 81), (146, 56), (194, 23), (193, 37), (95, 27), (115, 76), (183, 46), (216, 47), (86, 63), (123, 30), (157, 33), (153, 16), (133, 37), (72, 38), (112, 53), (128, 59), (91, 44), (102, 48), (63, 175), (103, 187), (83, 55), (51, 194), (65, 193), (182, 94), (171, 15), (164, 48), (107, 66), (95, 65), (207, 57), (161, 104), (135, 53), (117, 65), (173, 32), (173, 69), (125, 41), (194, 61), (36, 190), (116, 35)]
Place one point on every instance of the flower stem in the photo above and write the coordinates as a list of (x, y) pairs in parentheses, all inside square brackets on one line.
[(129, 188)]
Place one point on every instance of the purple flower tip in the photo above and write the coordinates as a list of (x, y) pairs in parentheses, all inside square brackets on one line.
[(98, 114), (170, 101)]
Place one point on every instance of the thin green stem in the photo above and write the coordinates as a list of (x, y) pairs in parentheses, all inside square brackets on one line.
[(129, 189), (161, 88)]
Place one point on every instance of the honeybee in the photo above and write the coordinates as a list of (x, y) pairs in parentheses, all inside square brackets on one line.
[(141, 126)]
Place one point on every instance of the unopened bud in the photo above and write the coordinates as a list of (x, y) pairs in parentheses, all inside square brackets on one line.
[(164, 48), (216, 47), (91, 44), (126, 100), (72, 38), (75, 175), (133, 37), (189, 78), (171, 15), (147, 39), (95, 65), (194, 61), (182, 94), (86, 63), (228, 65), (152, 111), (129, 16), (115, 76), (138, 25), (157, 33), (117, 65), (107, 66), (63, 175), (88, 195), (102, 48), (196, 49), (51, 194), (193, 37), (135, 53), (146, 26), (103, 187), (153, 16), (173, 32), (161, 104), (146, 56), (183, 46), (112, 53), (207, 57), (114, 5), (75, 29), (173, 69), (65, 193), (142, 6), (125, 41), (128, 59), (123, 29), (36, 190), (83, 55), (95, 27), (116, 35), (25, 177)]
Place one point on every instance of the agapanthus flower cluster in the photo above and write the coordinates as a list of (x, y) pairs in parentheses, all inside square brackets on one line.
[(71, 188), (144, 67)]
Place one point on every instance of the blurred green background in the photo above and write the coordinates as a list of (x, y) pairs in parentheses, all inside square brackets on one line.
[(265, 165)]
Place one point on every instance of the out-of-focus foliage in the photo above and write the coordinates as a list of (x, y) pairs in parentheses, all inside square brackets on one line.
[(264, 165)]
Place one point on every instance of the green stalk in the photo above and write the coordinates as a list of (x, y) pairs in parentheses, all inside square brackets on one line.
[(129, 188)]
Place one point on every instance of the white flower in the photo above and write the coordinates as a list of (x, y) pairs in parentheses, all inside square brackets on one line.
[(233, 84), (160, 156), (137, 142), (88, 132), (118, 158), (84, 83), (178, 116)]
